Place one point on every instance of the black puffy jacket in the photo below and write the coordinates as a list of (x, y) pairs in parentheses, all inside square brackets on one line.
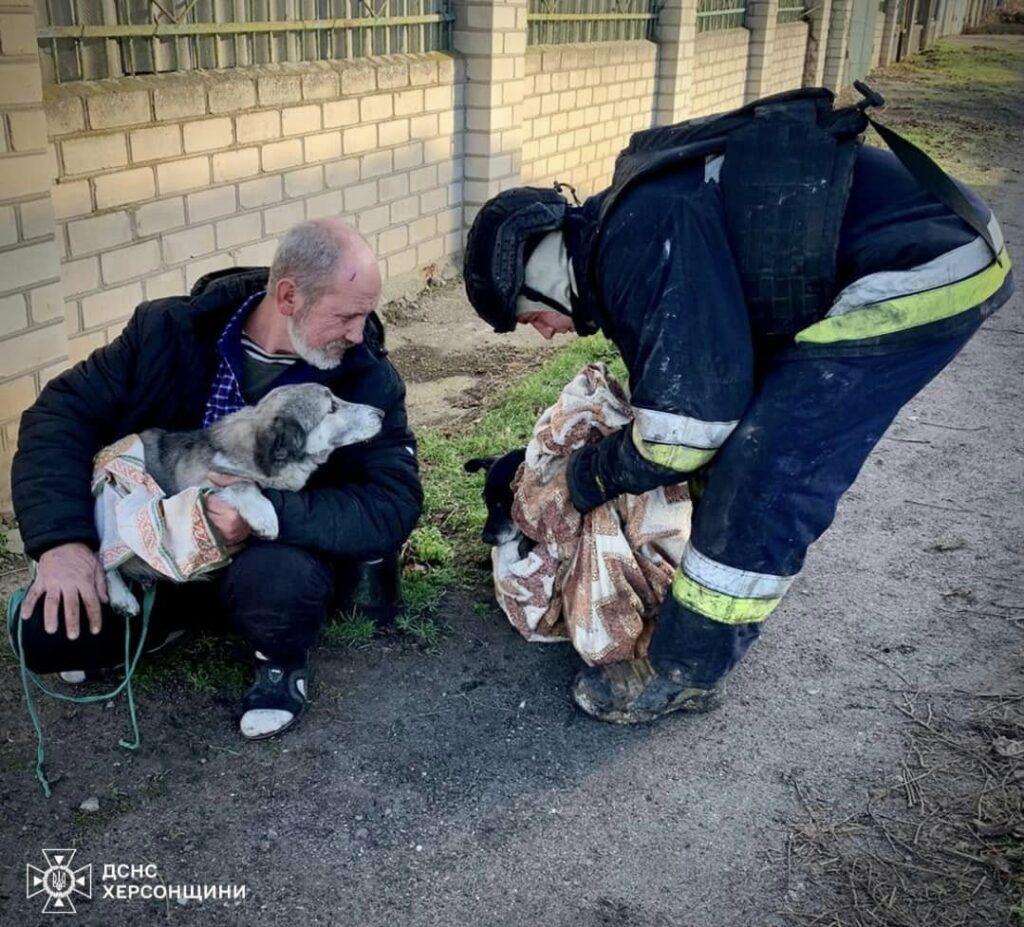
[(156, 374)]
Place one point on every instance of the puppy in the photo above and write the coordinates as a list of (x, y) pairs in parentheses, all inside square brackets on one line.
[(498, 497), (277, 443)]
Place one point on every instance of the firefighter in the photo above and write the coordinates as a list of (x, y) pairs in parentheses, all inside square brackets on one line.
[(778, 290)]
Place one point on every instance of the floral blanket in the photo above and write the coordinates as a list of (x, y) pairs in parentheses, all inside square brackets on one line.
[(135, 518), (596, 580)]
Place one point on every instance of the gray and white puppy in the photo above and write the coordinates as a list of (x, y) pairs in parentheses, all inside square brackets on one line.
[(276, 444)]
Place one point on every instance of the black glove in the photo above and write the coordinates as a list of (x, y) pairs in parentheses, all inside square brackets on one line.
[(585, 486), (600, 472)]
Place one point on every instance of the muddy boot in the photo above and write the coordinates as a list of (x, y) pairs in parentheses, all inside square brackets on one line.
[(632, 692)]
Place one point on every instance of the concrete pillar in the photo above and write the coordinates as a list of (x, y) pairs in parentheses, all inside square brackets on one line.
[(928, 30), (33, 339), (890, 32), (838, 39), (762, 21), (818, 19), (491, 37), (677, 43)]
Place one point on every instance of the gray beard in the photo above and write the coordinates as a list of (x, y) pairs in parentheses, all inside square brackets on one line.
[(320, 358)]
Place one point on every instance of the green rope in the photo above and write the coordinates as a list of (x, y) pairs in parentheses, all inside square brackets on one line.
[(27, 676)]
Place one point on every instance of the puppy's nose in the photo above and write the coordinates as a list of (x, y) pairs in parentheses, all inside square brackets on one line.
[(489, 537)]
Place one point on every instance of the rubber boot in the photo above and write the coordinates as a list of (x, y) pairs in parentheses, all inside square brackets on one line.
[(377, 591)]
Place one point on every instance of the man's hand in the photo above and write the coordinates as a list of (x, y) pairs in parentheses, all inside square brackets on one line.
[(225, 518), (69, 572)]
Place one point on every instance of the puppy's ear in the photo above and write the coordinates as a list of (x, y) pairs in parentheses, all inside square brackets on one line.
[(283, 441), (476, 464)]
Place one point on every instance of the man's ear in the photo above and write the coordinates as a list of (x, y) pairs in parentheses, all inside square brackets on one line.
[(286, 294), (282, 442), (476, 464)]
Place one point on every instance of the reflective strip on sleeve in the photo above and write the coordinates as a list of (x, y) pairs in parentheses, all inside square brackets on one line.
[(724, 593), (948, 268), (899, 312), (674, 456), (669, 428)]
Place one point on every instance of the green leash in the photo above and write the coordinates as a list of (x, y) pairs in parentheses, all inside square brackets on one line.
[(27, 677)]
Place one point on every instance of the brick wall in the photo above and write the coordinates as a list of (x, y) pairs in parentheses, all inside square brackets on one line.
[(720, 70), (787, 68), (161, 180), (581, 103), (32, 343)]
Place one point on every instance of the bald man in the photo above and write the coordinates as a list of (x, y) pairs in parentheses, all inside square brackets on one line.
[(182, 363)]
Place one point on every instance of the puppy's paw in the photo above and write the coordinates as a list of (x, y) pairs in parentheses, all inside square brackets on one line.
[(254, 507), (262, 518), (120, 596)]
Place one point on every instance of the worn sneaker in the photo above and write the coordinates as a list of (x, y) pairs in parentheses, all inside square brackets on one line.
[(276, 699), (633, 692)]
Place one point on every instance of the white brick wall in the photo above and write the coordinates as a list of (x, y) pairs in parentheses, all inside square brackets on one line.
[(786, 70), (720, 70), (581, 103), (162, 179), (33, 342)]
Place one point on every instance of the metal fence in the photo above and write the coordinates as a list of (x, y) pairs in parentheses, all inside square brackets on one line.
[(791, 11), (720, 14), (91, 39), (559, 22)]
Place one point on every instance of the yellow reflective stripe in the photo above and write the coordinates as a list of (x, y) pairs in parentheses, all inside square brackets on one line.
[(674, 456), (896, 315), (717, 605)]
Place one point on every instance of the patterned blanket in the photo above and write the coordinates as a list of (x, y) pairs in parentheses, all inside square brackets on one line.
[(595, 580), (136, 519)]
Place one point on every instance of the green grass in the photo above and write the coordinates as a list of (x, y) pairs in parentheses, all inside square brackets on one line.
[(447, 542), (349, 630), (203, 663), (959, 65)]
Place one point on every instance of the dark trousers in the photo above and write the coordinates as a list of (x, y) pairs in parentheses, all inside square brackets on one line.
[(276, 597), (773, 488)]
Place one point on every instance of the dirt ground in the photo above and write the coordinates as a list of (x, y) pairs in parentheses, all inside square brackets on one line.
[(458, 786)]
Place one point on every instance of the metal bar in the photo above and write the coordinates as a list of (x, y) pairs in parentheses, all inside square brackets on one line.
[(192, 29), (109, 11), (292, 41), (586, 17)]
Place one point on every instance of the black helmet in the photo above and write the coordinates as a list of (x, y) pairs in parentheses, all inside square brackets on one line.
[(495, 259)]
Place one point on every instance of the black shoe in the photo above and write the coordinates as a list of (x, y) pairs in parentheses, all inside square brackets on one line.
[(276, 699), (632, 692), (377, 591), (156, 641)]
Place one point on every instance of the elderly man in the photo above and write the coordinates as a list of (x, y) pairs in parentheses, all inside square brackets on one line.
[(778, 291), (181, 363)]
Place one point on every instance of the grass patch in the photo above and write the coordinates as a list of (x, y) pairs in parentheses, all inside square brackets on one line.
[(204, 663), (961, 104), (959, 65), (349, 630), (441, 552)]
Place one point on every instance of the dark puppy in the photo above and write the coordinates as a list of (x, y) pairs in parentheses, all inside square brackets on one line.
[(499, 527)]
